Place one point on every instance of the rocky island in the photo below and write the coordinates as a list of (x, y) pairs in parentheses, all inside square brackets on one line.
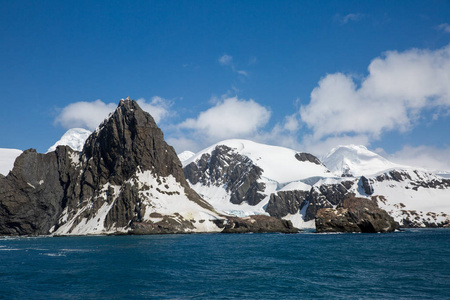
[(126, 179)]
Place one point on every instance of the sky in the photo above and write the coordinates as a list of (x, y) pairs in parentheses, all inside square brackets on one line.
[(308, 75)]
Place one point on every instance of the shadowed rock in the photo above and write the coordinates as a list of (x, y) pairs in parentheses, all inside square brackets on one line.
[(258, 223), (355, 215)]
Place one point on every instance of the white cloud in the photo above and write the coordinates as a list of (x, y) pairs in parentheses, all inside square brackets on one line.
[(242, 72), (230, 118), (444, 27), (347, 18), (83, 114), (184, 143), (398, 88), (428, 157), (157, 107), (225, 60), (291, 123), (89, 115)]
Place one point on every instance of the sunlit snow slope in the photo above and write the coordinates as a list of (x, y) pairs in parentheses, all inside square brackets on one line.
[(74, 138), (356, 160), (185, 155), (7, 158)]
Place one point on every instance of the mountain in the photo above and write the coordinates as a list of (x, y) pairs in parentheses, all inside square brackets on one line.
[(7, 158), (127, 179), (244, 178), (238, 177), (354, 160), (74, 138)]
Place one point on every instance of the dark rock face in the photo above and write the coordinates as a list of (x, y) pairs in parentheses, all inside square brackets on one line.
[(34, 193), (167, 225), (325, 196), (224, 167), (303, 156), (283, 203), (366, 186), (129, 139), (355, 215), (258, 223)]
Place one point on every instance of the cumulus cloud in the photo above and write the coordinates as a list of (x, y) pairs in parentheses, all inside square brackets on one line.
[(158, 107), (83, 114), (398, 88), (89, 115), (431, 158), (182, 143), (444, 27), (229, 118)]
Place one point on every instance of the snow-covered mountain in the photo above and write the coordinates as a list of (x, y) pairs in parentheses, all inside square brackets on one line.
[(127, 179), (240, 177), (185, 155), (7, 158), (355, 160), (74, 138)]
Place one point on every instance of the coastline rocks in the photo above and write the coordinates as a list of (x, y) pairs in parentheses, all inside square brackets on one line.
[(256, 224), (354, 215)]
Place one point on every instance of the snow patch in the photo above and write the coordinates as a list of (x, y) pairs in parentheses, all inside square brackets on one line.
[(355, 160), (183, 156), (74, 138), (7, 159)]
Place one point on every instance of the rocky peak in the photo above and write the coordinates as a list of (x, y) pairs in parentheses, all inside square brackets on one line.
[(225, 167), (127, 140)]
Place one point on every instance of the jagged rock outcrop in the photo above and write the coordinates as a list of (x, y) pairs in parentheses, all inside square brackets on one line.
[(285, 202), (303, 156), (257, 223), (325, 196), (33, 194), (355, 215), (225, 167), (366, 186)]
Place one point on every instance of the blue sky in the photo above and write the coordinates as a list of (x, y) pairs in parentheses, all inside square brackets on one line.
[(308, 75)]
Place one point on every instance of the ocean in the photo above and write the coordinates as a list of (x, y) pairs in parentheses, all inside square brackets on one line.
[(414, 264)]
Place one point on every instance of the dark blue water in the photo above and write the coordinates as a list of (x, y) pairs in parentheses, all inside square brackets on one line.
[(412, 264)]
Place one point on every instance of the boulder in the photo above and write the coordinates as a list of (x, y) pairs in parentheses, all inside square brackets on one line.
[(355, 215), (256, 224)]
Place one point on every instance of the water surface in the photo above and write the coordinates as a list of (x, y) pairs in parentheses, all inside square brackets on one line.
[(403, 265)]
